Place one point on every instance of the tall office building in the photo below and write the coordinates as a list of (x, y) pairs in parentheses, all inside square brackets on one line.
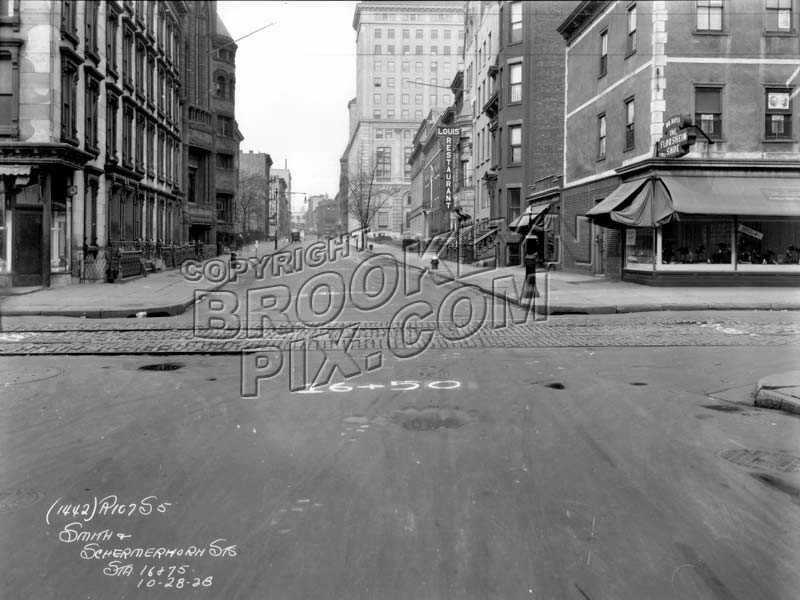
[(407, 56)]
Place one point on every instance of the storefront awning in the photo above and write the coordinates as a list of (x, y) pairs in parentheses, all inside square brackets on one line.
[(640, 203), (654, 201), (742, 196), (529, 216)]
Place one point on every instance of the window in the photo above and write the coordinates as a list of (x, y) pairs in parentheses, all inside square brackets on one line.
[(383, 219), (513, 195), (140, 69), (9, 92), (112, 104), (390, 66), (603, 53), (404, 67), (378, 66), (378, 33), (221, 86), (151, 143), (778, 116), (127, 57), (379, 134), (516, 22), (447, 50), (404, 99), (434, 34), (709, 15), (224, 126), (69, 97), (418, 115), (601, 137), (127, 136), (406, 34), (417, 98), (387, 134), (391, 34), (447, 34), (418, 34), (434, 50), (418, 50), (390, 49), (404, 114), (434, 66), (418, 67), (376, 98), (390, 114), (766, 242), (140, 142), (779, 15), (433, 99), (92, 99), (708, 111), (111, 41), (390, 82), (631, 29), (389, 98), (515, 79), (377, 49), (90, 29), (376, 114), (406, 50), (406, 164), (69, 20), (225, 161), (383, 162), (696, 241), (629, 124), (515, 142)]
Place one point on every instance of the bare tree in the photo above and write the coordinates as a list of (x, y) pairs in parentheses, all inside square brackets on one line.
[(367, 194), (251, 199)]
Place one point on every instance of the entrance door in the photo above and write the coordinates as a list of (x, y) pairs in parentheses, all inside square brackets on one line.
[(27, 247), (598, 250)]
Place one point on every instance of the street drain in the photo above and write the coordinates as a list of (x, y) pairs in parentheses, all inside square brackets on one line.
[(18, 499), (161, 367), (723, 407), (763, 459), (555, 386), (429, 419)]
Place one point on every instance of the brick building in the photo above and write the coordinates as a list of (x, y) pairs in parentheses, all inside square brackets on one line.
[(681, 151)]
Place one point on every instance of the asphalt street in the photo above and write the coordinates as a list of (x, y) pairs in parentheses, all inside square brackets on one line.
[(459, 456)]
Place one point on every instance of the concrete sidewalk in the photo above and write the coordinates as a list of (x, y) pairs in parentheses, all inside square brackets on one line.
[(165, 293), (169, 293), (571, 293)]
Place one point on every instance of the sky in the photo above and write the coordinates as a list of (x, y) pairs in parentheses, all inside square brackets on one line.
[(293, 82)]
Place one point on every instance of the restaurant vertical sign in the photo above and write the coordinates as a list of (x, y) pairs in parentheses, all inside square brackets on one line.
[(449, 138)]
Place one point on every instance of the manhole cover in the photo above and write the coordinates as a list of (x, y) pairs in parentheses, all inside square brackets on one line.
[(763, 459), (18, 499), (161, 367), (430, 418), (27, 375)]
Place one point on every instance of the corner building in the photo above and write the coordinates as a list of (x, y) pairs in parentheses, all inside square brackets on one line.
[(721, 208)]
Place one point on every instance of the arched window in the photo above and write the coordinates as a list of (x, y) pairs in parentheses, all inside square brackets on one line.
[(221, 86)]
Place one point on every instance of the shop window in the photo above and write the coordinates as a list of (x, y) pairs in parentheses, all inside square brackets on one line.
[(768, 242), (779, 15), (709, 15), (778, 116), (708, 111), (696, 242), (59, 251), (639, 246)]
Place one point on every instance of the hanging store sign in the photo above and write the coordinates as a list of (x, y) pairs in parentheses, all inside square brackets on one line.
[(449, 137), (677, 138), (751, 232)]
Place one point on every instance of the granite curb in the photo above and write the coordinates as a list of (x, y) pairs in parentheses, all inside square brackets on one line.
[(154, 310), (779, 391)]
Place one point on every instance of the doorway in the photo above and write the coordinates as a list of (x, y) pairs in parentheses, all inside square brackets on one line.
[(598, 250), (27, 247)]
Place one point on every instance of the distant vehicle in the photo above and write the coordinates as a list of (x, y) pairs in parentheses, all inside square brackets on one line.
[(295, 236)]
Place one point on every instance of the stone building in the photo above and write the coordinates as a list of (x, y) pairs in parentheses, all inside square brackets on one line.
[(97, 102)]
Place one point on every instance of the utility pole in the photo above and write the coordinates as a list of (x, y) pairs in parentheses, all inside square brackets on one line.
[(277, 203)]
